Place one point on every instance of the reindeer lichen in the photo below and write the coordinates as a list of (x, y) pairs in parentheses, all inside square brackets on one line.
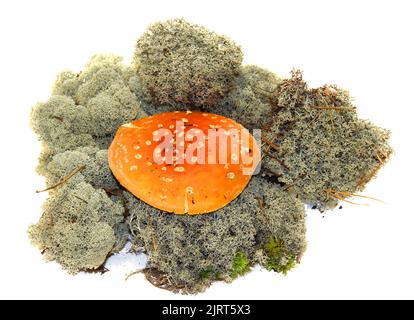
[(185, 65)]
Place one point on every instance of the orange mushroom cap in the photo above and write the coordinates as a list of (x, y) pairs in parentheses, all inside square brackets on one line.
[(184, 162)]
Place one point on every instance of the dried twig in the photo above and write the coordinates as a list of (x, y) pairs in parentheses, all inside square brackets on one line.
[(65, 179), (381, 159), (352, 109), (266, 152), (341, 195), (270, 143), (129, 275), (334, 194)]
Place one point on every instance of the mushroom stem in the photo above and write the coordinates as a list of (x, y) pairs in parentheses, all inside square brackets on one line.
[(70, 175)]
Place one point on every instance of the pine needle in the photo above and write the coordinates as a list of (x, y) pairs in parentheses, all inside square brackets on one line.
[(352, 109), (65, 179), (270, 143)]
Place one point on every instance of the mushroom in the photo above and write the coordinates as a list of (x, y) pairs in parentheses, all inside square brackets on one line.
[(184, 162)]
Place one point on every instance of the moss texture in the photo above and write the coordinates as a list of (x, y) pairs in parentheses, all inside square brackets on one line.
[(276, 257), (185, 65), (248, 102), (241, 265), (83, 220), (87, 108), (80, 226), (316, 145), (195, 250)]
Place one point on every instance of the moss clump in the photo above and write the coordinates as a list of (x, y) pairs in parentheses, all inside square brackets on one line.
[(276, 257), (87, 108), (80, 226), (208, 275), (241, 265), (182, 64), (83, 220), (61, 124), (135, 84), (217, 241), (317, 147), (248, 102), (95, 162)]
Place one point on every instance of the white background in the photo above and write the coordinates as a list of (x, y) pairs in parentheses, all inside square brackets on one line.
[(364, 46)]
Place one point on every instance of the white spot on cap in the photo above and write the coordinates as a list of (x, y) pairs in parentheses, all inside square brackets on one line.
[(164, 168), (165, 179), (184, 119), (231, 175), (244, 149), (159, 125), (136, 147), (148, 142), (179, 169), (133, 168), (138, 156), (130, 125)]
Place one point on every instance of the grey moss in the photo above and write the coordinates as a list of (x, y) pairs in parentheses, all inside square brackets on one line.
[(248, 102), (111, 108), (185, 65), (135, 85), (80, 226), (316, 145), (83, 221), (196, 250), (96, 169), (87, 108)]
